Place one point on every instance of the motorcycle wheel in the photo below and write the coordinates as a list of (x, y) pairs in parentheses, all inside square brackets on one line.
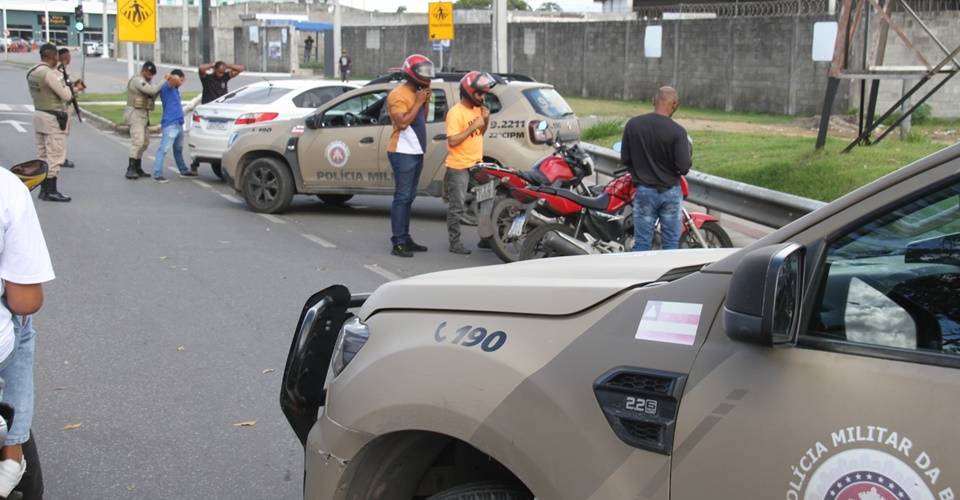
[(533, 247), (713, 234), (504, 211)]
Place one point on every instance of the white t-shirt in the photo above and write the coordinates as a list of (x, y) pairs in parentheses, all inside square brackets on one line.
[(24, 258), (408, 143)]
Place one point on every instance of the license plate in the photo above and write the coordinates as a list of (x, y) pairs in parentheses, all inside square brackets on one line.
[(486, 191), (516, 229), (216, 125)]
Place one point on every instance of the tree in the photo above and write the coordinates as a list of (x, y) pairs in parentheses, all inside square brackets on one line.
[(549, 7), (401, 9), (487, 4)]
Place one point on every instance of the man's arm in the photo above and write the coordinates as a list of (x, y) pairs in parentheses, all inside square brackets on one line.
[(625, 158), (236, 69), (456, 138), (402, 118), (203, 69), (682, 155), (23, 300), (24, 260), (58, 86)]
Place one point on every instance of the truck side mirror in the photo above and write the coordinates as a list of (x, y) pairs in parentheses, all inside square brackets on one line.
[(763, 302)]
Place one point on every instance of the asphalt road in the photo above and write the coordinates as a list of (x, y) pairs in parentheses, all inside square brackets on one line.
[(171, 316)]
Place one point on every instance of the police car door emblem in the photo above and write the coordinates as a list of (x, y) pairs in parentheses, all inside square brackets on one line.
[(338, 154)]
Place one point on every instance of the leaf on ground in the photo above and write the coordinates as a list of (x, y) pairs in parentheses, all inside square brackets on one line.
[(248, 423), (180, 348), (268, 370), (72, 427)]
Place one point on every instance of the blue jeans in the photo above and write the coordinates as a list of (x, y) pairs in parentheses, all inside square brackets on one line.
[(18, 380), (172, 136), (406, 177), (650, 205)]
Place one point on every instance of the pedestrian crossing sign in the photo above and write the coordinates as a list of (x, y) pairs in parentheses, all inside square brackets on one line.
[(137, 21), (440, 17)]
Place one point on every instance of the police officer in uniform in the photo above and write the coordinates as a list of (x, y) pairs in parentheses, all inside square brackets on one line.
[(50, 96), (141, 97)]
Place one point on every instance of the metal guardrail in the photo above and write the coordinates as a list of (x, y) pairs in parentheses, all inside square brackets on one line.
[(755, 204)]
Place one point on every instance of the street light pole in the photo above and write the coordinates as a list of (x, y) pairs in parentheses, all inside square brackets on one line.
[(499, 36), (337, 20), (104, 41), (185, 36)]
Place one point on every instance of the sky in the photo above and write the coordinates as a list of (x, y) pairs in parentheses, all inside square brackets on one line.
[(421, 5)]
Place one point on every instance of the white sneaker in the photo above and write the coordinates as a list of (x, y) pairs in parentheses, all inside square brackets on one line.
[(11, 473)]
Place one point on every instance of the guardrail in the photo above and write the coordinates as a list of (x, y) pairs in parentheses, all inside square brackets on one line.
[(756, 204)]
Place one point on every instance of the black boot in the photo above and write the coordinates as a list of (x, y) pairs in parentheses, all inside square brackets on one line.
[(52, 193), (140, 171), (132, 169), (44, 189)]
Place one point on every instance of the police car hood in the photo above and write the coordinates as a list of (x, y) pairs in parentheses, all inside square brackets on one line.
[(557, 286)]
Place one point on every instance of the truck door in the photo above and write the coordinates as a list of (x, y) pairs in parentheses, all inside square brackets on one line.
[(864, 406)]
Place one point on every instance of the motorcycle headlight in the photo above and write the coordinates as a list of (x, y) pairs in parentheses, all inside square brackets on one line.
[(353, 336)]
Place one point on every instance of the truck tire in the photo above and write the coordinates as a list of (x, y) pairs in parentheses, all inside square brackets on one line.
[(267, 186), (217, 169), (505, 209), (713, 233), (484, 490), (335, 199)]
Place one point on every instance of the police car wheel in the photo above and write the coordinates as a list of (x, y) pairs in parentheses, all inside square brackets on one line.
[(484, 490), (217, 169), (267, 186)]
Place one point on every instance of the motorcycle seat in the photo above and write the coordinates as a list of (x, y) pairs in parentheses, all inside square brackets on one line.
[(591, 202)]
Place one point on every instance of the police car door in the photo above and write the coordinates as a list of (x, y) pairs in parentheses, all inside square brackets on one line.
[(344, 151), (864, 407)]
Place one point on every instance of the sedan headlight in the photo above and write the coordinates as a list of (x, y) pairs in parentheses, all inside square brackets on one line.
[(232, 139), (353, 336)]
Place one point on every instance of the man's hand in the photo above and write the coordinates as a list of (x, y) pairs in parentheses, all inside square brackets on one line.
[(423, 96), (477, 125), (485, 113), (79, 86)]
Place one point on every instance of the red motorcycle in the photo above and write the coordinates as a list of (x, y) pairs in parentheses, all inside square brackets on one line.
[(501, 193), (604, 223)]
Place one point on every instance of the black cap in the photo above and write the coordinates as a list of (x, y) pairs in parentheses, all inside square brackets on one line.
[(149, 66)]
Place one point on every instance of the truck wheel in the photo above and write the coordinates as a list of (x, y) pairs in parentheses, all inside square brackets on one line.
[(713, 234), (217, 169), (267, 186), (533, 247), (335, 199), (484, 490), (502, 215)]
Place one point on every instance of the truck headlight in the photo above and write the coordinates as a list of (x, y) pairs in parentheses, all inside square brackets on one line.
[(353, 336)]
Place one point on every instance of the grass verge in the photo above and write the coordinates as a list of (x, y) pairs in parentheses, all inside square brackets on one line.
[(115, 113), (122, 96), (790, 164)]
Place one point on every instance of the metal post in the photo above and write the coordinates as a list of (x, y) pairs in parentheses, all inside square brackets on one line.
[(185, 36), (499, 36), (832, 85), (104, 30), (905, 124), (129, 54), (46, 20), (205, 30), (337, 42)]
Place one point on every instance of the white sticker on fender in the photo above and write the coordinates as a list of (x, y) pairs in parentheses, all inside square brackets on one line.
[(670, 322)]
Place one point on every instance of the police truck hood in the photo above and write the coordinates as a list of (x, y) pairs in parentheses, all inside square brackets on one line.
[(557, 286)]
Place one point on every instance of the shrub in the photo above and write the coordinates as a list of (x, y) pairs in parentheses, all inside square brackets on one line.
[(602, 129)]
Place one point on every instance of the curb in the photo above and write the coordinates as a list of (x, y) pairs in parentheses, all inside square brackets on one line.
[(105, 124)]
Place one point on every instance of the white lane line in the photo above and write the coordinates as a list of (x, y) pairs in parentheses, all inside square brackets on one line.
[(382, 272), (318, 240), (202, 184), (273, 218), (231, 198)]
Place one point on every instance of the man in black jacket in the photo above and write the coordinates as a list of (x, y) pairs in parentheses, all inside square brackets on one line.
[(656, 149)]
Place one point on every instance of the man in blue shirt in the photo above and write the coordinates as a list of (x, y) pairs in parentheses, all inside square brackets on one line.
[(172, 125)]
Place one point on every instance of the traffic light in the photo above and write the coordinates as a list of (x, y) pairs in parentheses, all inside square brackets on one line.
[(78, 15)]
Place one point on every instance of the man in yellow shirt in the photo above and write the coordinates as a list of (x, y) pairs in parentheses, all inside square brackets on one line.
[(466, 124)]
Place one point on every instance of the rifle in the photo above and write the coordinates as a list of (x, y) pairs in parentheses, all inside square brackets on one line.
[(73, 95)]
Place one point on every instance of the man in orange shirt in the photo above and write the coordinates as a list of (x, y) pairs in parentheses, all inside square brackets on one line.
[(408, 105), (466, 124)]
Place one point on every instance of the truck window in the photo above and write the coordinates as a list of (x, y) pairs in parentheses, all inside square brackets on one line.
[(894, 281), (548, 102)]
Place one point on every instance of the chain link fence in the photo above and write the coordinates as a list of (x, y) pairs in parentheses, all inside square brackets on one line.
[(767, 8)]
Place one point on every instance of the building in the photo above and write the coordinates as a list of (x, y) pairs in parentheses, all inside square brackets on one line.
[(55, 20), (617, 6)]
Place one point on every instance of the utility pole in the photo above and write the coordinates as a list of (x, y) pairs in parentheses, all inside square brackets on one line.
[(205, 30), (499, 63), (337, 21), (46, 21), (104, 41), (185, 36)]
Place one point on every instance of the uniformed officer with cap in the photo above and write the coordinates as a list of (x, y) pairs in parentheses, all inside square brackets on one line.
[(141, 98), (50, 96)]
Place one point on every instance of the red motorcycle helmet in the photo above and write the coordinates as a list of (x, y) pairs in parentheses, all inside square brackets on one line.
[(475, 85), (419, 69)]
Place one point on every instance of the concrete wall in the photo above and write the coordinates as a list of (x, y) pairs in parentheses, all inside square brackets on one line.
[(742, 64)]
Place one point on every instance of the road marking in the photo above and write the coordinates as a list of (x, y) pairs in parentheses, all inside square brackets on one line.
[(318, 240), (17, 107), (382, 272), (202, 184), (273, 218), (231, 198), (17, 125)]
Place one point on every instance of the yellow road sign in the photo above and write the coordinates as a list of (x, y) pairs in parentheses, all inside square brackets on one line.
[(137, 21), (441, 20)]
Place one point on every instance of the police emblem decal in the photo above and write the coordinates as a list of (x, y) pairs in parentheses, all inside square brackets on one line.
[(338, 154)]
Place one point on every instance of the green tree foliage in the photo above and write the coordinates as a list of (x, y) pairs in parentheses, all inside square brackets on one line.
[(549, 7), (487, 4)]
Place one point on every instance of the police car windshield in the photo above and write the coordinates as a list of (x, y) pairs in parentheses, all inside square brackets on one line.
[(256, 95), (548, 102)]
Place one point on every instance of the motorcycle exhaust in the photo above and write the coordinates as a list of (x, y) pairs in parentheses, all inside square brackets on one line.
[(565, 245)]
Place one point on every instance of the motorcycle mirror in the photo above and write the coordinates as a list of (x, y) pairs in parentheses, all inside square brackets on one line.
[(617, 146), (542, 126)]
